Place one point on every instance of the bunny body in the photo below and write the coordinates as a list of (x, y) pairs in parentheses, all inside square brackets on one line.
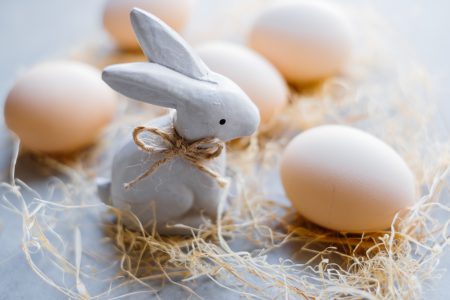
[(177, 193), (206, 105)]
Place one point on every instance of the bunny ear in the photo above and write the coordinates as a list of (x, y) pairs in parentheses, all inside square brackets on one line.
[(152, 83), (162, 45)]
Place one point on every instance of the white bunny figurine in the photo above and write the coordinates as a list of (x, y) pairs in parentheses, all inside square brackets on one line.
[(180, 189)]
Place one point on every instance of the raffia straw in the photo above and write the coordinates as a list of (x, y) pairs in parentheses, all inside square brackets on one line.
[(397, 263), (148, 258)]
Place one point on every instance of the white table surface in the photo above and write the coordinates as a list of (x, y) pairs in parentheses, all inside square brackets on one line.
[(28, 34)]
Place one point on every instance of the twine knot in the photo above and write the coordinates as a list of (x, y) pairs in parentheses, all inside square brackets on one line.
[(176, 146)]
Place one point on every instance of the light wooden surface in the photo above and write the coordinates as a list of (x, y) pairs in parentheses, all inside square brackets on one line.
[(31, 31)]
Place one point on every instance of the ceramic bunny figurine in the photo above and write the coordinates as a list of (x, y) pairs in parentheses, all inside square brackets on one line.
[(206, 105)]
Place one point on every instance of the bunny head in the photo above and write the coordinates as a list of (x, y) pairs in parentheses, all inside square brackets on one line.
[(207, 104)]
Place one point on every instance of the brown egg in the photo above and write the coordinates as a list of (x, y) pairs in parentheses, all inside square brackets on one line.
[(59, 106), (345, 179), (116, 17)]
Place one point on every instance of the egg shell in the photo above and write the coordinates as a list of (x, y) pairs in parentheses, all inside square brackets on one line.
[(345, 179), (306, 40), (257, 77), (116, 17), (59, 106)]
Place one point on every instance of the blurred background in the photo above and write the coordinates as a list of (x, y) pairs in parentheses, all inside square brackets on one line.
[(31, 31)]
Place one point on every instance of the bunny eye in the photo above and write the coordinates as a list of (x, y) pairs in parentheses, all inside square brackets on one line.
[(222, 122)]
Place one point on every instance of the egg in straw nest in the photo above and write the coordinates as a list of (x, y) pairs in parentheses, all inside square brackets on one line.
[(259, 247)]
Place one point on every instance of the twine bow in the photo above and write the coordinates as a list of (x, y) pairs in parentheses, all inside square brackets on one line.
[(196, 152)]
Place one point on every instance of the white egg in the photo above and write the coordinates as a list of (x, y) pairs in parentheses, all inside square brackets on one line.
[(306, 40), (59, 106), (252, 72), (116, 17), (345, 179)]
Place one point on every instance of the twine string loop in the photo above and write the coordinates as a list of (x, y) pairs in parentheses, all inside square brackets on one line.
[(196, 152)]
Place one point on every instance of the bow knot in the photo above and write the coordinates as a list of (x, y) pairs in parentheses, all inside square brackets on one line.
[(196, 152)]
